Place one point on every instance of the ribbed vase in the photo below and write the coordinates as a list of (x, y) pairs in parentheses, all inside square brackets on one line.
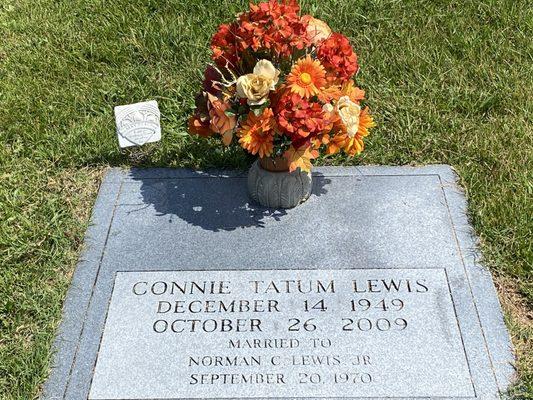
[(272, 185)]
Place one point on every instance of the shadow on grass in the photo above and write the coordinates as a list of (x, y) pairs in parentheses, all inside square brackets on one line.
[(211, 201)]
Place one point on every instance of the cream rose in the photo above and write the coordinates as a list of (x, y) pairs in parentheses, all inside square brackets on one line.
[(317, 30), (349, 114), (255, 86), (266, 68)]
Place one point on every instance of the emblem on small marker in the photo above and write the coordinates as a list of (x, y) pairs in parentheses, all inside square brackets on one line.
[(138, 123)]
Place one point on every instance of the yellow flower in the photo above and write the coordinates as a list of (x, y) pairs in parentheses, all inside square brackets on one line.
[(349, 112), (256, 86)]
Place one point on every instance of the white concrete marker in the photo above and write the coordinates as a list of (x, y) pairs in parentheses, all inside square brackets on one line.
[(138, 123)]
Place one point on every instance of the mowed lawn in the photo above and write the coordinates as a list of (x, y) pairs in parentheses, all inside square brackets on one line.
[(448, 82)]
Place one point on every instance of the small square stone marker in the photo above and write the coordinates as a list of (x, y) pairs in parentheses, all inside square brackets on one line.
[(369, 290), (138, 123)]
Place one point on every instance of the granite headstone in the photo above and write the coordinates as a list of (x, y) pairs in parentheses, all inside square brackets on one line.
[(370, 289)]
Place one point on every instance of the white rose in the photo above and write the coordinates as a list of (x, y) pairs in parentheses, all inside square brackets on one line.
[(266, 69), (253, 87), (349, 113), (256, 86)]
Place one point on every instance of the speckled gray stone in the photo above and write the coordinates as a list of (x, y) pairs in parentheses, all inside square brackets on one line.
[(367, 222)]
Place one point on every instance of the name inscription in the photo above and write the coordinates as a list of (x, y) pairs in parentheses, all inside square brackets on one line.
[(281, 333)]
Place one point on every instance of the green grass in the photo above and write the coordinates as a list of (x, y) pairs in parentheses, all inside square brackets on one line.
[(448, 81)]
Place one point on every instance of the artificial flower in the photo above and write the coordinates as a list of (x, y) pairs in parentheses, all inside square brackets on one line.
[(273, 27), (319, 140), (199, 125), (317, 30), (256, 86), (224, 46), (336, 143), (300, 158), (349, 112), (299, 118), (366, 121), (328, 108), (330, 120), (307, 77), (353, 92), (337, 56), (354, 145), (330, 92), (256, 133), (212, 78), (220, 121), (311, 104), (266, 68)]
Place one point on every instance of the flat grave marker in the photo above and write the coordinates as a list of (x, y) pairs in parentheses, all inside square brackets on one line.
[(138, 123), (370, 289)]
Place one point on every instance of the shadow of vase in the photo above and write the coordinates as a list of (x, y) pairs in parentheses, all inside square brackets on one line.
[(211, 201)]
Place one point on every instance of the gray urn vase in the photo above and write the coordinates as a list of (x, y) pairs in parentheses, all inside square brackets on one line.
[(281, 189)]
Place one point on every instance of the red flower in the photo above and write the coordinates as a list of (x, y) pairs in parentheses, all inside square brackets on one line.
[(271, 27), (338, 57), (224, 46), (299, 118)]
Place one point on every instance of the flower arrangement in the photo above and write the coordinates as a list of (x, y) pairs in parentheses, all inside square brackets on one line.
[(282, 85)]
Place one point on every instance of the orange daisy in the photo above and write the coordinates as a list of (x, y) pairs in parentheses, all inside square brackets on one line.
[(307, 77), (256, 133)]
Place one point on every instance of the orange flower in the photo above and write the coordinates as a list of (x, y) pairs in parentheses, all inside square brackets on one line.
[(355, 145), (307, 77), (353, 92), (256, 133), (199, 125), (336, 143), (300, 158), (329, 93), (319, 140), (220, 121), (365, 122)]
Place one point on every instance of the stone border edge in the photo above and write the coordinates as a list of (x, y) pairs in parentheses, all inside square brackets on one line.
[(480, 281), (75, 306)]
